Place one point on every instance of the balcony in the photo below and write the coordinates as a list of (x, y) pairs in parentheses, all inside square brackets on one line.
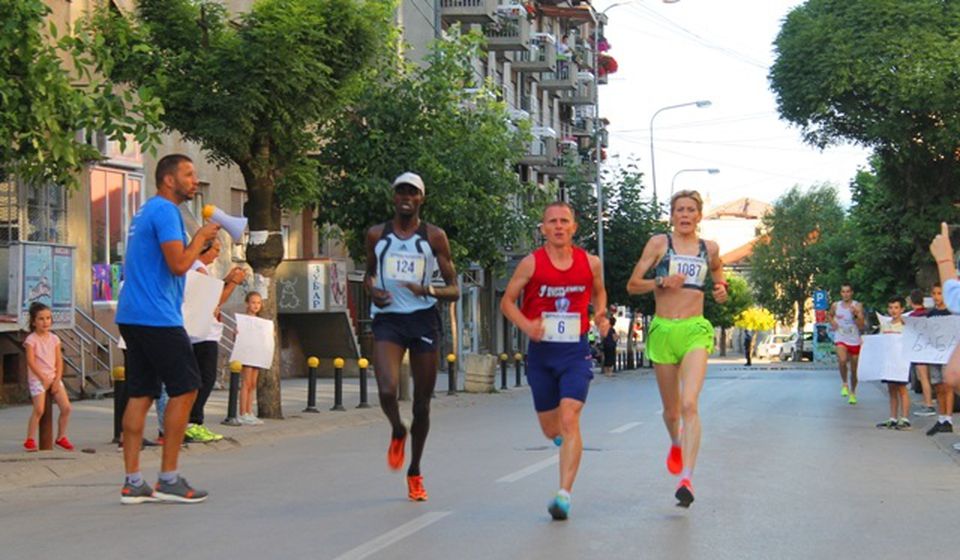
[(563, 79), (543, 147), (468, 11), (585, 92), (582, 126), (569, 156), (510, 30), (539, 56)]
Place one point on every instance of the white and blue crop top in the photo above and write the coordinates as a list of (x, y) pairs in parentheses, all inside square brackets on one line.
[(693, 267), (400, 261)]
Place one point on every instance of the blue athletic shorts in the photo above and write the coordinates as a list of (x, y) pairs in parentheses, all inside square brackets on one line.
[(558, 370)]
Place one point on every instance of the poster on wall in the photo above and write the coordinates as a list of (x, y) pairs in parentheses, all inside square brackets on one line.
[(338, 284), (42, 272), (317, 290)]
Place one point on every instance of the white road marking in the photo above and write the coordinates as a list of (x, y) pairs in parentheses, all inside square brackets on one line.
[(383, 541), (527, 471), (625, 427)]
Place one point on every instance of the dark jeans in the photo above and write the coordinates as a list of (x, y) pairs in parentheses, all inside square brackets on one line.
[(747, 347), (206, 354)]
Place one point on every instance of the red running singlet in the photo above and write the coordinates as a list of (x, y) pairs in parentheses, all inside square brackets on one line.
[(551, 289)]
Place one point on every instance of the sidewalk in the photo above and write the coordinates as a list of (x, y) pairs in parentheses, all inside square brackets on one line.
[(91, 428)]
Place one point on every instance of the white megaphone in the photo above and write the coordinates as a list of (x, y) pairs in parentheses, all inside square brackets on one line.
[(234, 225)]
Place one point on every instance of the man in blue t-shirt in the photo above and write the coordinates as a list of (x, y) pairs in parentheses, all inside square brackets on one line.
[(151, 323)]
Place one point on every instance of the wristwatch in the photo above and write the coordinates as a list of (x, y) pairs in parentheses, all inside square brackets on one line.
[(658, 281)]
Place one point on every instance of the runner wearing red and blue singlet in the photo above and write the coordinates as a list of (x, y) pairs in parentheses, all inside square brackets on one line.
[(558, 282)]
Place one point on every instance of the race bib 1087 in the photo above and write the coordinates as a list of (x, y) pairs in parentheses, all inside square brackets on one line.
[(561, 327), (404, 267), (694, 269)]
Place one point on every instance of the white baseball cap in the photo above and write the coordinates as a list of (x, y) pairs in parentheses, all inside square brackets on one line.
[(410, 178)]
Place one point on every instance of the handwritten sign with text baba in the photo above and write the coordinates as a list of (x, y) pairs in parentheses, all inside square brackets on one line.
[(930, 340)]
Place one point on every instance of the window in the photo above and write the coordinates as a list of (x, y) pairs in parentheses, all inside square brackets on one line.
[(115, 197), (45, 216), (9, 213)]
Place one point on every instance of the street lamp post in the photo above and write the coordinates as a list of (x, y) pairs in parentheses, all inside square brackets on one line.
[(712, 171), (601, 17), (653, 170)]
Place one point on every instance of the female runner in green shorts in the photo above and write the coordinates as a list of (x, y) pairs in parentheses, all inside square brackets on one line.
[(680, 339)]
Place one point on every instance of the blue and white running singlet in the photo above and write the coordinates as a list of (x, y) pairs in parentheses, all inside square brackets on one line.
[(400, 261)]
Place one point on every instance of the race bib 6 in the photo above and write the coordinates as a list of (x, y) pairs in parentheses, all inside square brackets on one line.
[(561, 327)]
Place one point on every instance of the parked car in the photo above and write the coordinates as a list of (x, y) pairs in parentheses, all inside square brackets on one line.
[(788, 348), (770, 347)]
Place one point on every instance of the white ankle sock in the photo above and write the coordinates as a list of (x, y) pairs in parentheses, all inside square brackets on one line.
[(564, 493)]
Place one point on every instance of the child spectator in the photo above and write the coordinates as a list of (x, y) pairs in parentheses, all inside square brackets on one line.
[(249, 374), (923, 370), (899, 397), (944, 392), (45, 372)]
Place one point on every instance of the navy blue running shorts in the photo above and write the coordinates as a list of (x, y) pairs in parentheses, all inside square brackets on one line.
[(558, 370), (418, 331)]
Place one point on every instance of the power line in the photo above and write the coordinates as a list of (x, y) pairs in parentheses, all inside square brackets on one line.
[(707, 122), (670, 25)]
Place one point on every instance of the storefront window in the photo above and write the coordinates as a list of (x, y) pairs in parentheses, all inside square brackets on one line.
[(114, 200)]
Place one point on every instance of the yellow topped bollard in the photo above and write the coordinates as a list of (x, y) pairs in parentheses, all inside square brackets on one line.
[(518, 366), (119, 375), (312, 363), (451, 374), (231, 419), (338, 384), (363, 364), (503, 371)]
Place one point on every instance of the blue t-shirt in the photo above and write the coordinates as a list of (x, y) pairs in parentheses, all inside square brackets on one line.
[(951, 295), (152, 294)]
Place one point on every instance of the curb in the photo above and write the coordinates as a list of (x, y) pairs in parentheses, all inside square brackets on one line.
[(19, 470)]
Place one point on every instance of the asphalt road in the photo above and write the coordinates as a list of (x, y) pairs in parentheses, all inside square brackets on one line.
[(787, 470)]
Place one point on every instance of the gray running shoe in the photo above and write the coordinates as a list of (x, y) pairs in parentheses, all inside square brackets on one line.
[(179, 492), (131, 494), (925, 411)]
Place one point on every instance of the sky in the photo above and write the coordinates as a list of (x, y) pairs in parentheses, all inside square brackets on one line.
[(721, 51)]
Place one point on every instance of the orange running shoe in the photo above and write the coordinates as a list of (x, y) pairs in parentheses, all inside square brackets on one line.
[(415, 489), (675, 460), (395, 452), (684, 493)]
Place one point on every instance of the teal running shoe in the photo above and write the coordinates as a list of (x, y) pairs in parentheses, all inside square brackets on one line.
[(559, 507)]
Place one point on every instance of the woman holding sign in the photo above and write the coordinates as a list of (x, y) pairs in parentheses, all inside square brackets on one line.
[(680, 337), (558, 282), (401, 257)]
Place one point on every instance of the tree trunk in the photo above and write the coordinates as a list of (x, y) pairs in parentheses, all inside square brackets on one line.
[(264, 253), (801, 321), (631, 340)]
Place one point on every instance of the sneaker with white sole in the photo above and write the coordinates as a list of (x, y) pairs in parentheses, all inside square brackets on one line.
[(179, 492), (141, 494)]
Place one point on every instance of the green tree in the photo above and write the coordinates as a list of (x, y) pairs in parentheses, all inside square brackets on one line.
[(787, 259), (437, 121), (630, 220), (881, 73), (43, 107), (250, 89), (724, 316)]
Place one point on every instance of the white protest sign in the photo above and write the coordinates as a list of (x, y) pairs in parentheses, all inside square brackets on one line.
[(254, 343), (882, 359), (930, 340), (200, 298)]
